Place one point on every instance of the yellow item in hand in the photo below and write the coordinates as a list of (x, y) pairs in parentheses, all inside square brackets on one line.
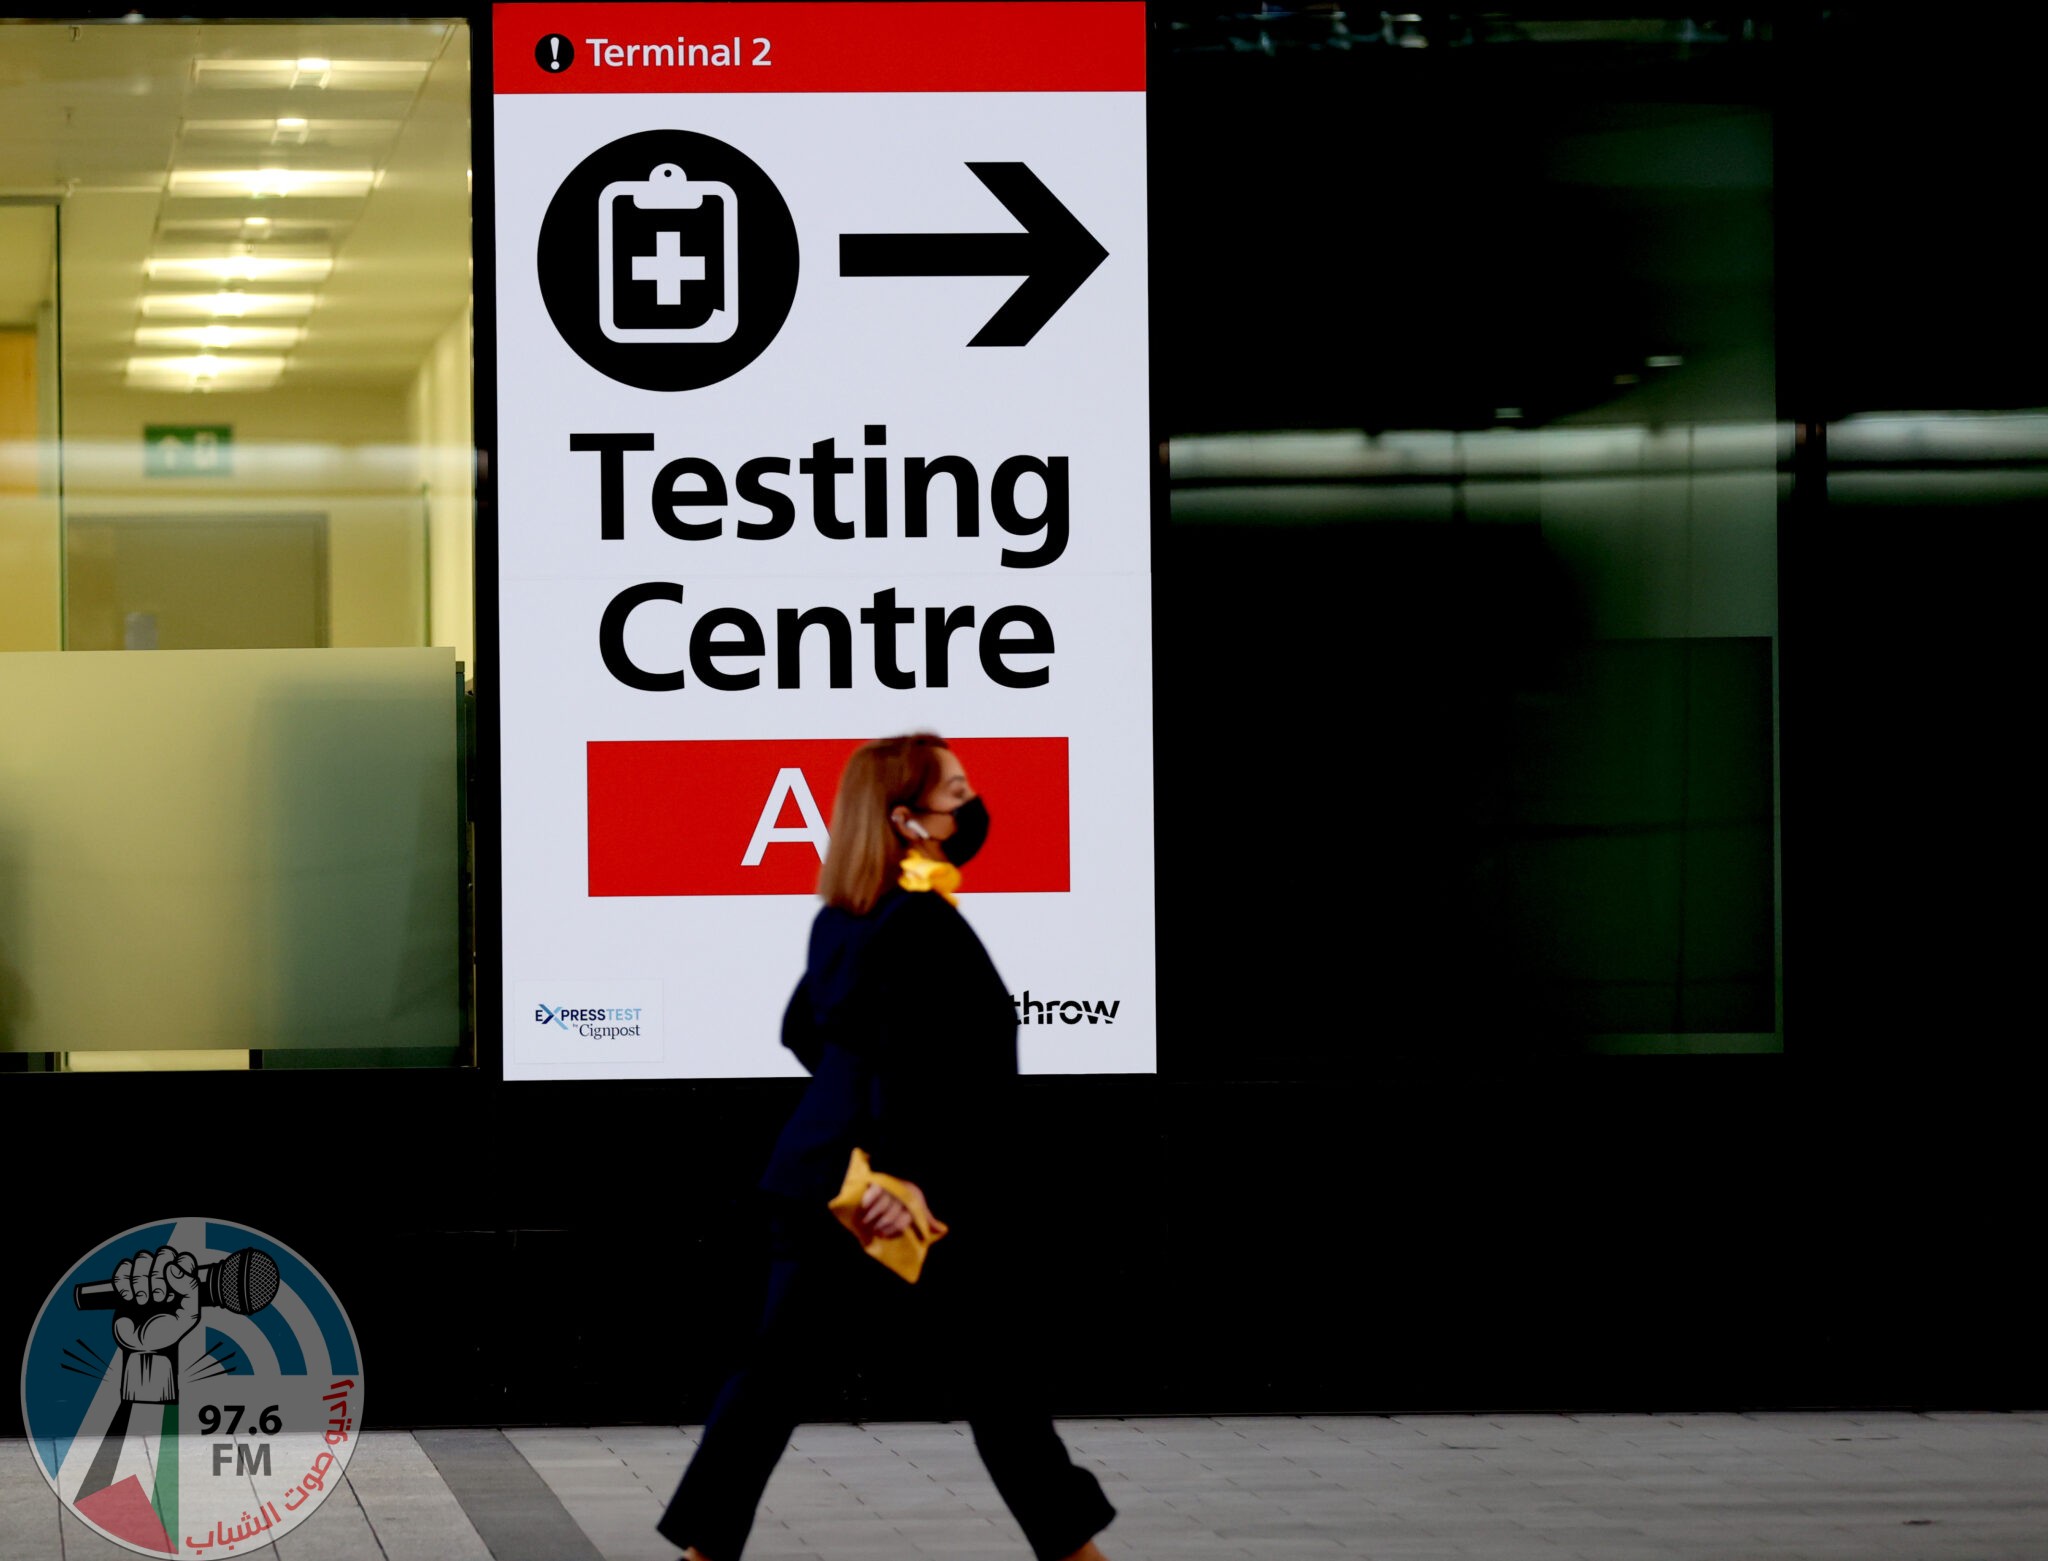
[(902, 1254), (922, 874)]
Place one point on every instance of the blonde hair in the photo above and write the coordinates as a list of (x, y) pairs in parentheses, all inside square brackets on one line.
[(866, 852)]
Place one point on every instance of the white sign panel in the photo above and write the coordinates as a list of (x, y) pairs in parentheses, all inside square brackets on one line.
[(822, 416)]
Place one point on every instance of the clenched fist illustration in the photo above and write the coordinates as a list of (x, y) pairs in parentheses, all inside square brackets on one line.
[(159, 1305)]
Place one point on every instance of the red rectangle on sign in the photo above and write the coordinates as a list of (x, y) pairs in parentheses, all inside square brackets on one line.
[(820, 46), (679, 818)]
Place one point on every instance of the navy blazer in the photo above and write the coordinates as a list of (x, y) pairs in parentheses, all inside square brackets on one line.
[(910, 1038)]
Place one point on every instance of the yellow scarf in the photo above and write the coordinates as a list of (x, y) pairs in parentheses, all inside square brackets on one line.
[(922, 874)]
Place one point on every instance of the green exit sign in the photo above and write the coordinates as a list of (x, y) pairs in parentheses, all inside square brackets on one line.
[(179, 450)]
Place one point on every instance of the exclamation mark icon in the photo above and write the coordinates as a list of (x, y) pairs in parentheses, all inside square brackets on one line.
[(555, 53)]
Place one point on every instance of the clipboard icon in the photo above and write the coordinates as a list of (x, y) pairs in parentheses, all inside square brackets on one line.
[(668, 250)]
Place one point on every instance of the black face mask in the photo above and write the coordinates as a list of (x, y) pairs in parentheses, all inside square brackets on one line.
[(970, 829)]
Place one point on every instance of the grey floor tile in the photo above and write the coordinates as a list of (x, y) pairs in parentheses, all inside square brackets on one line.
[(1615, 1487), (28, 1507), (506, 1499), (336, 1530), (421, 1525)]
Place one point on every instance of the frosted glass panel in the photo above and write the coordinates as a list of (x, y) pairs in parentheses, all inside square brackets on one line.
[(219, 849)]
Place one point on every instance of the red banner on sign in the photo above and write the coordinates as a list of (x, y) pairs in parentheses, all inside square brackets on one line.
[(680, 818), (885, 46)]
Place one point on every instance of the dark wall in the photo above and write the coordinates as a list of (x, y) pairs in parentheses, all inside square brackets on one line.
[(1368, 1176), (1676, 1233)]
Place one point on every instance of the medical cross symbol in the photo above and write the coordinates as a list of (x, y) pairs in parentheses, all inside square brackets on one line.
[(668, 268)]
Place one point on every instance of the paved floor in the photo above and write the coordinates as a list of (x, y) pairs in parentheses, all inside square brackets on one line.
[(1859, 1487)]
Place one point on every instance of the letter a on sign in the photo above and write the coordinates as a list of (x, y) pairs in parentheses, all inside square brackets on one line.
[(788, 783)]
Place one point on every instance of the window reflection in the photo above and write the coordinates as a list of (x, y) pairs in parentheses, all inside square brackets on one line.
[(1471, 378), (235, 418)]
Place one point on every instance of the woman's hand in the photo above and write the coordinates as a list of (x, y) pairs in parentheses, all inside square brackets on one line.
[(884, 1214)]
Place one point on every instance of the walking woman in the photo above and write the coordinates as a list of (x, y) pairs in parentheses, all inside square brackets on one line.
[(911, 1042)]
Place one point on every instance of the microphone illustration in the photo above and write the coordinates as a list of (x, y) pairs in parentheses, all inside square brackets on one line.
[(242, 1282)]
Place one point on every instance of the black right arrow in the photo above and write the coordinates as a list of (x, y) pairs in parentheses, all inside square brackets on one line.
[(1054, 254)]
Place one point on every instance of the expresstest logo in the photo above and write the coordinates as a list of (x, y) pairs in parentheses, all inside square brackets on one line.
[(570, 1020), (595, 1024), (1067, 1010), (215, 1407)]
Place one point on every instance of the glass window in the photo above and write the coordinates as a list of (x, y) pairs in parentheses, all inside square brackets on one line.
[(235, 433), (1469, 372)]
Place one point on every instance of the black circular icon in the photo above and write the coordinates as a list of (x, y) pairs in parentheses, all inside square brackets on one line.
[(554, 53), (668, 260)]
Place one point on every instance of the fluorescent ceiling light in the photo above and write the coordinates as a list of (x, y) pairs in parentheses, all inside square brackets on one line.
[(334, 130), (225, 336), (312, 71), (204, 369), (290, 237), (226, 306), (342, 182), (239, 268)]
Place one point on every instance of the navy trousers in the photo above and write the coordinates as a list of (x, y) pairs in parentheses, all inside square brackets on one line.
[(830, 1305)]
